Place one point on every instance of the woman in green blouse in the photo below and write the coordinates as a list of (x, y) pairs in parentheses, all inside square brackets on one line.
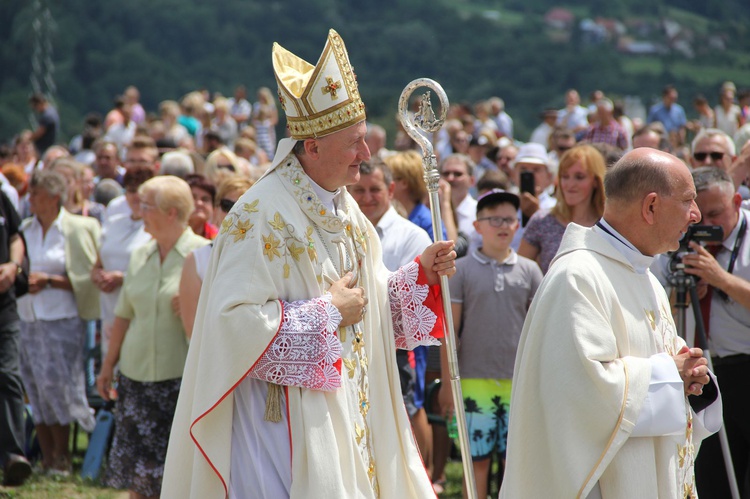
[(148, 339)]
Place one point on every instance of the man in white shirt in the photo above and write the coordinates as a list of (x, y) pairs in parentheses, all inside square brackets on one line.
[(402, 240), (608, 401), (541, 134), (573, 115)]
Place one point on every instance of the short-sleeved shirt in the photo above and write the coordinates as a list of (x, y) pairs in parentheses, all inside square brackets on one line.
[(673, 118), (495, 297), (612, 134), (50, 120), (9, 224), (544, 232), (155, 345)]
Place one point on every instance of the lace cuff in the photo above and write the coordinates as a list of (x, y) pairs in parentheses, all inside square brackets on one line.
[(416, 307), (306, 352)]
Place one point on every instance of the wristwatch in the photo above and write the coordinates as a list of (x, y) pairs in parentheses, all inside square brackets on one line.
[(19, 267)]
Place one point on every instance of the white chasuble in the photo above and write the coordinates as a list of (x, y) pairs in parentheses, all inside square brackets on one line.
[(581, 377), (264, 316)]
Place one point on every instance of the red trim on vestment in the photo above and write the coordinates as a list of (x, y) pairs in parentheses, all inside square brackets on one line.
[(289, 430), (205, 456), (434, 302), (419, 451)]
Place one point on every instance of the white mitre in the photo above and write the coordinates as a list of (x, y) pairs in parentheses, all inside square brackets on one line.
[(317, 100)]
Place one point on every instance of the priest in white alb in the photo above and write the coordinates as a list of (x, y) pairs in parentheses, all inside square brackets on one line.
[(291, 387), (607, 400)]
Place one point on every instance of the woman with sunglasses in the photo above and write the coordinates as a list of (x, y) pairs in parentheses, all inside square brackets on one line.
[(580, 199), (229, 191)]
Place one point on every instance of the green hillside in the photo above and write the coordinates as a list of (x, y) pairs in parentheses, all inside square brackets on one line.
[(474, 48)]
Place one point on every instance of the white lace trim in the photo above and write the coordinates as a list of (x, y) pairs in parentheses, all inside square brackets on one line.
[(306, 349), (412, 320)]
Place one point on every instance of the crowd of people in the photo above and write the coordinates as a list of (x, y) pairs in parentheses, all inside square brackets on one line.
[(118, 228)]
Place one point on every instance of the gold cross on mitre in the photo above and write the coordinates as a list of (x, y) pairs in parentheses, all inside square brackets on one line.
[(331, 88)]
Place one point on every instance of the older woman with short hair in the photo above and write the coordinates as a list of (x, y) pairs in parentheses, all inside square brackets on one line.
[(62, 249), (148, 339)]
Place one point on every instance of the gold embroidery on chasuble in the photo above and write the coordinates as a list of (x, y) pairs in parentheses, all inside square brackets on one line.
[(343, 246), (665, 330), (286, 246), (237, 223)]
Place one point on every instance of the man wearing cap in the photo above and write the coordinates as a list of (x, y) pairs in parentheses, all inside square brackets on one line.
[(291, 387), (608, 402)]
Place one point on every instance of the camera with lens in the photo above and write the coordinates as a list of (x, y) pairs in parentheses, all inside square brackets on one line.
[(697, 233)]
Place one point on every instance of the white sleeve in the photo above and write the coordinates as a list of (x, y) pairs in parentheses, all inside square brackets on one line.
[(663, 411), (709, 420)]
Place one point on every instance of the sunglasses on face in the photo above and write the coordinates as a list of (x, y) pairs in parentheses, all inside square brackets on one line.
[(701, 156), (451, 174), (226, 204), (229, 167)]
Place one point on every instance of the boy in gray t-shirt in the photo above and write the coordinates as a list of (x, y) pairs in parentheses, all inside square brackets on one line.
[(490, 293)]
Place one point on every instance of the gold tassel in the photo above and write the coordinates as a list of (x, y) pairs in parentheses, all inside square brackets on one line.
[(273, 403)]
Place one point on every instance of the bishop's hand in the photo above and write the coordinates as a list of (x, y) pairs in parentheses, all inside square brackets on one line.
[(349, 301), (437, 260)]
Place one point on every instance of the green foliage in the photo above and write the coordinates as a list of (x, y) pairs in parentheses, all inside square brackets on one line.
[(170, 47)]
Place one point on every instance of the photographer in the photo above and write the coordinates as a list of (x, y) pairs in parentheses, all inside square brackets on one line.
[(724, 289)]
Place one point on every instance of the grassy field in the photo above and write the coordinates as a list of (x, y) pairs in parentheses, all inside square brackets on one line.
[(75, 487)]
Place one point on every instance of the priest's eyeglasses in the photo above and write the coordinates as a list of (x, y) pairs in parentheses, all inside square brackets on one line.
[(499, 221)]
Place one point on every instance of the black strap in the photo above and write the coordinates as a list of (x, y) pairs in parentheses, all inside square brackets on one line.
[(601, 226), (735, 253)]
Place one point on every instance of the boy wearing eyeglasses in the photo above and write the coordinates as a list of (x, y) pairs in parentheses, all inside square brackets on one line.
[(490, 293)]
